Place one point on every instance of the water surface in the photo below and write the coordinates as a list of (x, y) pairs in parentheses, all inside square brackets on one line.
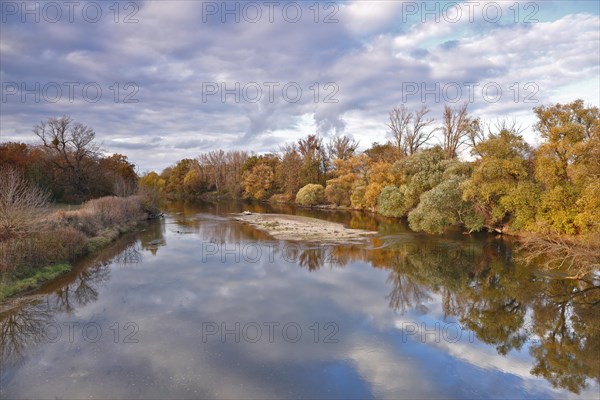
[(198, 305)]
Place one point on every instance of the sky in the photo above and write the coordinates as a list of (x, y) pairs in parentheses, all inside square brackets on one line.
[(164, 80)]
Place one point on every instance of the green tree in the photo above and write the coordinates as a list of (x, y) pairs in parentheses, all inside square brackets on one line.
[(442, 207)]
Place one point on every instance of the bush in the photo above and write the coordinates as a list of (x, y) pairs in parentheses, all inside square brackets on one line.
[(42, 248), (281, 198), (97, 215), (311, 195), (391, 202), (338, 191), (22, 204)]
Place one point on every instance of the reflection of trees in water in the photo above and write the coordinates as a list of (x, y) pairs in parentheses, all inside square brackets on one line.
[(566, 323), (25, 326), (21, 328), (406, 294), (83, 289), (490, 295)]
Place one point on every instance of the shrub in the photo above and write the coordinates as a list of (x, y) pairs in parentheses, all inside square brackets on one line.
[(391, 202), (42, 248), (22, 204), (310, 195), (281, 198), (97, 215)]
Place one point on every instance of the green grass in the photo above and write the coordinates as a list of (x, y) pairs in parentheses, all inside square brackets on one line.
[(33, 279)]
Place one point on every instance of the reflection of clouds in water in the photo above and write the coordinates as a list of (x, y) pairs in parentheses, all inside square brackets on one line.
[(171, 360)]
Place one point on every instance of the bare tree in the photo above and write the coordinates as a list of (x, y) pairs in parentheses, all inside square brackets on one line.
[(457, 129), (420, 132), (341, 147), (400, 119), (216, 162), (233, 175), (22, 204), (70, 143), (411, 130)]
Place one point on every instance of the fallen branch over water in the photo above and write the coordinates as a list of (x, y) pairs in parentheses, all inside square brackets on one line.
[(578, 257)]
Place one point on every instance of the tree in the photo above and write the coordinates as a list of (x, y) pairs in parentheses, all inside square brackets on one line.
[(567, 164), (391, 202), (346, 173), (442, 207), (341, 147), (567, 130), (258, 182), (503, 164), (69, 145), (287, 173), (386, 152), (417, 174), (233, 182), (457, 128), (400, 118), (120, 173), (410, 131), (259, 176), (175, 179), (314, 159)]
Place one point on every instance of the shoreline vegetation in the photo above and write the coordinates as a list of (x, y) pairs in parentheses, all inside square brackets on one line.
[(32, 258)]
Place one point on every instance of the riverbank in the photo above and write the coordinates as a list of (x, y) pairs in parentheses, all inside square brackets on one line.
[(27, 262), (297, 228)]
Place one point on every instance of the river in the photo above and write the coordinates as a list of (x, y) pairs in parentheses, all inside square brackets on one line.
[(200, 306)]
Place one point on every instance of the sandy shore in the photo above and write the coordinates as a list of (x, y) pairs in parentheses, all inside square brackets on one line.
[(293, 227)]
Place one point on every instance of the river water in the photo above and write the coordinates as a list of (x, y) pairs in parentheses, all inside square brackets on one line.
[(200, 306)]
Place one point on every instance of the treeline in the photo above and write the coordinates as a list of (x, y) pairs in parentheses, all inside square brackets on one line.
[(67, 162), (553, 188)]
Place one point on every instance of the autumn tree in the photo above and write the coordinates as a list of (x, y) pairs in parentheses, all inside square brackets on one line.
[(259, 176), (175, 178), (346, 173), (311, 195), (386, 152), (568, 167), (70, 146), (120, 173), (503, 163), (288, 174), (314, 159), (258, 182)]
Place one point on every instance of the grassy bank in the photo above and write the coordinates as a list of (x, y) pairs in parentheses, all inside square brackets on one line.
[(29, 260)]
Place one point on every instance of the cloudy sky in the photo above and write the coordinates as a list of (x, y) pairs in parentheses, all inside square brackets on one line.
[(164, 80)]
